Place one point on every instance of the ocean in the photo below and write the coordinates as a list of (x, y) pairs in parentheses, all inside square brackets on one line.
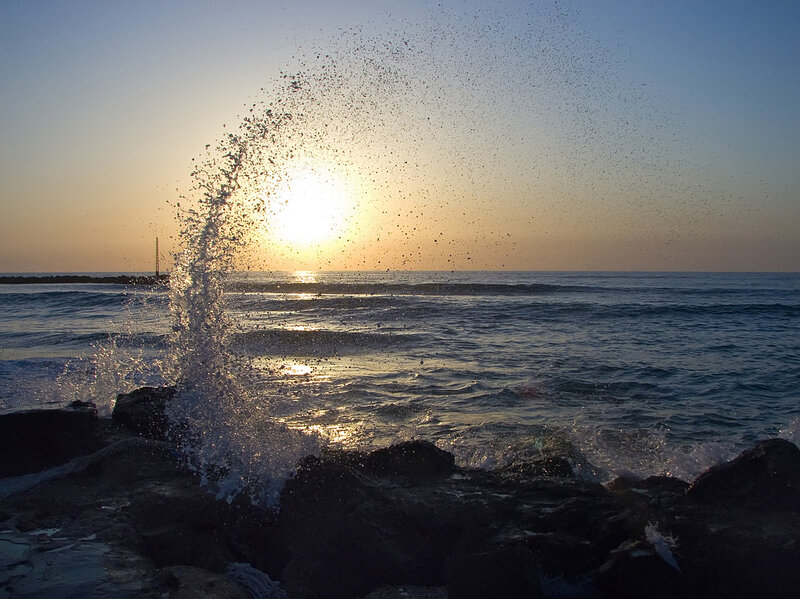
[(621, 373)]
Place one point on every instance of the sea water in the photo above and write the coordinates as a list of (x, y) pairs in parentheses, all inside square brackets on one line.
[(639, 373), (618, 372)]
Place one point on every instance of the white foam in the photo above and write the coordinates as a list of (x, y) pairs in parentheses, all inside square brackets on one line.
[(663, 544)]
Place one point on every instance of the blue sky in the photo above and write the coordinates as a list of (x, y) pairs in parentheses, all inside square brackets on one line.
[(687, 158)]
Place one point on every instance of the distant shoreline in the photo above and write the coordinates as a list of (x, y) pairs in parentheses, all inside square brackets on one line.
[(61, 279)]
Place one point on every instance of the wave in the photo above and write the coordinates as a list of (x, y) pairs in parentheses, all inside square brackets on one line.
[(439, 289), (68, 300), (316, 342), (54, 339), (599, 311)]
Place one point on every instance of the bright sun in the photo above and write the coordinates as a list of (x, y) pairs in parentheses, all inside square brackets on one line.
[(310, 206)]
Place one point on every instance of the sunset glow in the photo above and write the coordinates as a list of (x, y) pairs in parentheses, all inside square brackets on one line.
[(310, 206)]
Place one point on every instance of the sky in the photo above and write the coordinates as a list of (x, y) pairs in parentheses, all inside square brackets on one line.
[(606, 135)]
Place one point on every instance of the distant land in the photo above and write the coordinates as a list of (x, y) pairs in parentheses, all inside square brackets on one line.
[(111, 280)]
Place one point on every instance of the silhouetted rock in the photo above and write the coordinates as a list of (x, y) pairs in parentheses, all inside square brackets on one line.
[(635, 570), (340, 535), (182, 526), (551, 466), (765, 476), (411, 458), (352, 524), (187, 582), (508, 572), (39, 438), (142, 411)]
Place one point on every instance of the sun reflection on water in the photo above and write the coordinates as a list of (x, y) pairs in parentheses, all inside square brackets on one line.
[(305, 276), (296, 369)]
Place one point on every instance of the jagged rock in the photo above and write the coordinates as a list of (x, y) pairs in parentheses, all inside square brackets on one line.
[(352, 524), (142, 411), (340, 536), (650, 486), (508, 572), (411, 458), (39, 438), (187, 582), (551, 466), (343, 531), (183, 544), (765, 476), (407, 592), (182, 527)]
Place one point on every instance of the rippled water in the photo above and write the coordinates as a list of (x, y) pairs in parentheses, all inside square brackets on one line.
[(637, 372)]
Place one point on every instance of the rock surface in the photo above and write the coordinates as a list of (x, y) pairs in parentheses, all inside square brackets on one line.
[(142, 411), (767, 473), (34, 439), (404, 521)]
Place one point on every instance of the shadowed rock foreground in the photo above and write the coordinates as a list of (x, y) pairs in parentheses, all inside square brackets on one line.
[(402, 521)]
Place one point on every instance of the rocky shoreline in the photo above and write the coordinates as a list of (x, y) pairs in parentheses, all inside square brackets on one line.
[(109, 503)]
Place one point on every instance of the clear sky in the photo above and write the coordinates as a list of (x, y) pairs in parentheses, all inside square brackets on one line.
[(606, 135)]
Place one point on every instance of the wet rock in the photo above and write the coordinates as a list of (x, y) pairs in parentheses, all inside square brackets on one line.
[(183, 544), (404, 518), (340, 536), (407, 592), (343, 531), (635, 570), (35, 439), (411, 458), (142, 411), (508, 572), (741, 554), (552, 466), (650, 486), (766, 476), (186, 582)]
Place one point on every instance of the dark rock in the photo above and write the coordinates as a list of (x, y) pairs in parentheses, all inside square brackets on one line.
[(741, 554), (766, 476), (509, 573), (184, 545), (35, 439), (342, 531), (553, 466), (340, 536), (410, 458), (635, 570), (142, 411), (186, 582), (182, 526), (407, 592), (651, 486), (352, 524)]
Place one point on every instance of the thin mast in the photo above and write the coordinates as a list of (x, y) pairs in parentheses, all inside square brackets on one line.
[(156, 257)]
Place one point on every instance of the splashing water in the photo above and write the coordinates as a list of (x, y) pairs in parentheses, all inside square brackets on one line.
[(337, 110), (230, 436), (225, 426)]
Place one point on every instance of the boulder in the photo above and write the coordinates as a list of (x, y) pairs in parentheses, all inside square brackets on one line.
[(142, 411), (410, 458), (634, 570), (765, 476), (38, 438), (187, 582), (552, 466), (507, 572), (339, 535)]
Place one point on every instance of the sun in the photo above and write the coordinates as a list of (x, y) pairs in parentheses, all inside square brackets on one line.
[(310, 206)]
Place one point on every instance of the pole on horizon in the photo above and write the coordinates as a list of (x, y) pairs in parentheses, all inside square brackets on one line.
[(156, 257)]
